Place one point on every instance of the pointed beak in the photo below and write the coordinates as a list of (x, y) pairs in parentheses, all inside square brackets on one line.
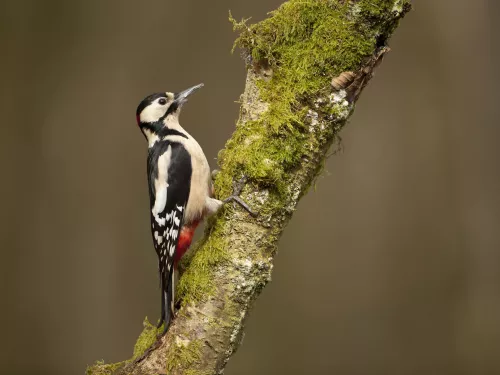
[(181, 97)]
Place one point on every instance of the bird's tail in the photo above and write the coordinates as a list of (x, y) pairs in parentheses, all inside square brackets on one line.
[(167, 291)]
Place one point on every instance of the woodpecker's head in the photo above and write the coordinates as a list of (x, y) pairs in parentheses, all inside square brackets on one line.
[(157, 112)]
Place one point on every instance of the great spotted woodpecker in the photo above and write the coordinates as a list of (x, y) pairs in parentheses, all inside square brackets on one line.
[(180, 186)]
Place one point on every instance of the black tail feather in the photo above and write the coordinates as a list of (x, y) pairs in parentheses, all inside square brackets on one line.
[(162, 314), (167, 297)]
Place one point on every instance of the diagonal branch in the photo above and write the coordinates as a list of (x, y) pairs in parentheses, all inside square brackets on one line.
[(307, 65)]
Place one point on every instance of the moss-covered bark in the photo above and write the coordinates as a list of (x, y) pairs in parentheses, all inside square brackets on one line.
[(307, 64)]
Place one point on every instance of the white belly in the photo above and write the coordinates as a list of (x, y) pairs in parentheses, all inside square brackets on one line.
[(199, 190)]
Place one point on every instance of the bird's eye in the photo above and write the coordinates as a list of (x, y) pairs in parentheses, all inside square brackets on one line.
[(162, 101)]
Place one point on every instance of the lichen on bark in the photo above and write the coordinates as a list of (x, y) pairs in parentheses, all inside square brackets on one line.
[(307, 64)]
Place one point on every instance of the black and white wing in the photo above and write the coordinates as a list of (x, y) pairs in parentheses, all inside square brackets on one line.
[(169, 172)]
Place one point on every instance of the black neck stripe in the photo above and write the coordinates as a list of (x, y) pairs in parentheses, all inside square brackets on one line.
[(161, 130), (171, 109), (166, 131)]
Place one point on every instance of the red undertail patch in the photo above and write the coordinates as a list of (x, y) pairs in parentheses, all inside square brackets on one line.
[(185, 238)]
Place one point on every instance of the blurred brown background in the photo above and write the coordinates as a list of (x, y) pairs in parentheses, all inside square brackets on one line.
[(392, 266)]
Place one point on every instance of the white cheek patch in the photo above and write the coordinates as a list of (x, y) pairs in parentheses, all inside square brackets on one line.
[(153, 112)]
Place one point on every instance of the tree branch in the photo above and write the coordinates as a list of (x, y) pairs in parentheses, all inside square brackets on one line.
[(307, 65)]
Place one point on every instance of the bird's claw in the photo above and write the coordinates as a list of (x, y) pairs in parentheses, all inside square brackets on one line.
[(238, 186), (235, 197)]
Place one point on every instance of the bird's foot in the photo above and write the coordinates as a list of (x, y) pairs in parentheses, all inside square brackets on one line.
[(235, 197)]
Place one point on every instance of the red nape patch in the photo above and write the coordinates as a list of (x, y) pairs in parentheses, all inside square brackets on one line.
[(138, 119), (185, 238)]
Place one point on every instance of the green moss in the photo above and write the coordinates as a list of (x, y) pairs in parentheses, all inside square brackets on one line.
[(183, 355), (377, 15), (197, 372), (305, 44), (197, 281), (100, 368), (264, 159), (147, 338), (380, 9)]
